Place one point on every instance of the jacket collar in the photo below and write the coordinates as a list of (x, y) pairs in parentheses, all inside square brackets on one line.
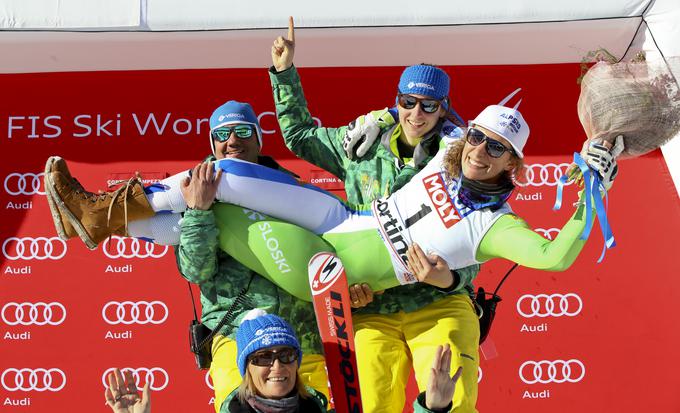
[(422, 153)]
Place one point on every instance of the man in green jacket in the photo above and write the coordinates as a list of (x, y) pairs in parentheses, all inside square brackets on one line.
[(236, 134), (401, 328)]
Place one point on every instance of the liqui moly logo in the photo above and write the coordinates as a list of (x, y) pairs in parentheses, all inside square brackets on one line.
[(436, 189)]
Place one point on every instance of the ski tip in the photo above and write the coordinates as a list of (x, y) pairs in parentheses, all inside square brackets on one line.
[(324, 269)]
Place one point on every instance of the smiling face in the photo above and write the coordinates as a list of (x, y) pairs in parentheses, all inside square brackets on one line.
[(245, 149), (415, 122), (478, 165), (275, 381)]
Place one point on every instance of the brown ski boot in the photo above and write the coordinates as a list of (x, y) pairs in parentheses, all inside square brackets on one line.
[(64, 228), (95, 217)]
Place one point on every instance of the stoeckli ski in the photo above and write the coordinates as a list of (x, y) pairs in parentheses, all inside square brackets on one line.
[(330, 294)]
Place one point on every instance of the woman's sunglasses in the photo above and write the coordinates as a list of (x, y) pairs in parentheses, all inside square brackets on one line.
[(495, 149), (267, 358), (409, 102), (222, 133)]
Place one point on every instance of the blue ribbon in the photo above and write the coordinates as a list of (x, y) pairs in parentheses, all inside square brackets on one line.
[(592, 187), (560, 187)]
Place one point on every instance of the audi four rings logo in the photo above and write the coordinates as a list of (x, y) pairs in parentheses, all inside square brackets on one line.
[(123, 247), (544, 305), (157, 377), (33, 379), (556, 371), (24, 184), (208, 380), (39, 314), (39, 248), (544, 174), (135, 312), (549, 233)]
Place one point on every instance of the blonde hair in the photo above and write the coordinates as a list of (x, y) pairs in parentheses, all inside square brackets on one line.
[(453, 164), (247, 387)]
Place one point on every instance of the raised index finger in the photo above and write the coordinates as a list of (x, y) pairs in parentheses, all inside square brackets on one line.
[(291, 29)]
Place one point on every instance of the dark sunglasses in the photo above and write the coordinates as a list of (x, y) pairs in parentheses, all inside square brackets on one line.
[(495, 149), (427, 104), (267, 358), (222, 133)]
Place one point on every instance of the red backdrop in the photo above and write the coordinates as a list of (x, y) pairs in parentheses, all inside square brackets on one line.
[(69, 314)]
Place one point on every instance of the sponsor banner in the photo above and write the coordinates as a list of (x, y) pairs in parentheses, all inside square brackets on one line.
[(540, 175), (552, 371), (26, 183), (33, 379), (325, 180), (549, 305), (33, 248), (436, 189), (135, 312), (37, 313), (67, 314), (117, 247), (116, 178)]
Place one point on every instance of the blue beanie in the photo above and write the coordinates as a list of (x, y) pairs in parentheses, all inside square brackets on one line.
[(260, 330), (425, 80), (231, 113)]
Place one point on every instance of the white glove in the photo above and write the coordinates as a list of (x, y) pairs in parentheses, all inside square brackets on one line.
[(363, 131), (603, 160)]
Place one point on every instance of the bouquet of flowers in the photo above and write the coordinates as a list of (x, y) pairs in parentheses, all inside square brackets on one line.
[(638, 100)]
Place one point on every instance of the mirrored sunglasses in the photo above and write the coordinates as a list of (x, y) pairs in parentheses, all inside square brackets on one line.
[(222, 133), (427, 104), (266, 358), (494, 148)]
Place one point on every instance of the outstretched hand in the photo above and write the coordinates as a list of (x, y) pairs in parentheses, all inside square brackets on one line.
[(430, 269), (283, 50), (122, 396), (441, 386)]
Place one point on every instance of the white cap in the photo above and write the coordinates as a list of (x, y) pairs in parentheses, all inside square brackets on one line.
[(506, 122)]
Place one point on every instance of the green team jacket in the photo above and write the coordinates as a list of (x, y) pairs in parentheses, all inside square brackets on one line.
[(221, 278), (375, 175)]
